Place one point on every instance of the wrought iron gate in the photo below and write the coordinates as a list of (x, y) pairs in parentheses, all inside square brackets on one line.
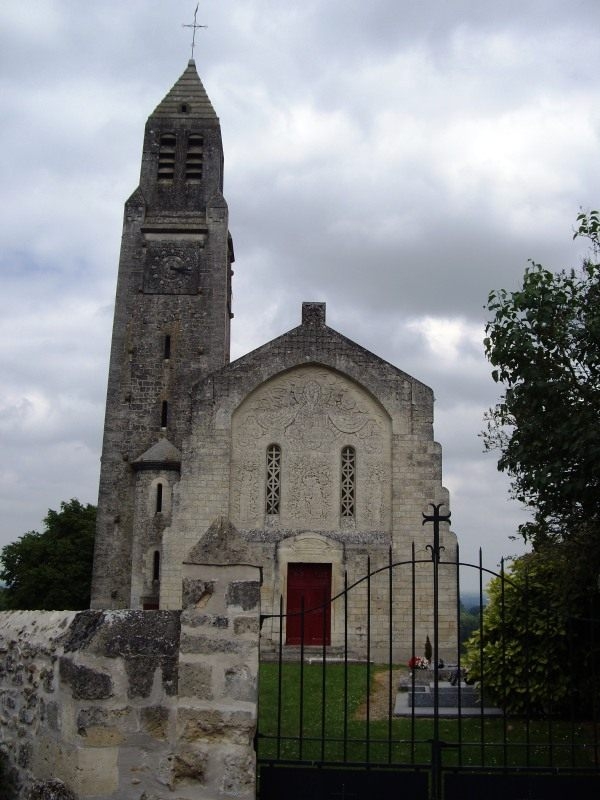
[(334, 725)]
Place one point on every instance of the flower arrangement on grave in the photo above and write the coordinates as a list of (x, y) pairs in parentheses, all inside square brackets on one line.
[(418, 662)]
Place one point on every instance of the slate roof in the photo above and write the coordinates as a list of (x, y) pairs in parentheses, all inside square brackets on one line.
[(163, 452)]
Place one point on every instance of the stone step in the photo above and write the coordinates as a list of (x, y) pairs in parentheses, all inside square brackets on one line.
[(312, 654)]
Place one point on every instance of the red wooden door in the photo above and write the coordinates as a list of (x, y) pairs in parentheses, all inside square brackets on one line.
[(310, 583)]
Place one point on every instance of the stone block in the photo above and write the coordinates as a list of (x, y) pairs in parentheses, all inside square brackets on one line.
[(190, 763), (213, 725), (85, 683), (50, 790), (245, 625), (96, 716), (140, 675), (239, 774), (96, 736), (81, 631), (195, 680), (240, 683), (245, 594), (208, 644), (155, 721), (139, 633), (194, 620), (197, 593), (95, 771)]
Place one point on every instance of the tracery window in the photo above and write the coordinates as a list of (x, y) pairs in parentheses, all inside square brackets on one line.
[(348, 493), (273, 493)]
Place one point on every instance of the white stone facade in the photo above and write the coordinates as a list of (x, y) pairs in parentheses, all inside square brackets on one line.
[(312, 411)]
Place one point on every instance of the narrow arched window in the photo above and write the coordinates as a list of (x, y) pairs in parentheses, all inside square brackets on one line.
[(166, 157), (164, 414), (194, 158), (159, 498), (348, 493), (156, 566), (167, 347), (273, 493)]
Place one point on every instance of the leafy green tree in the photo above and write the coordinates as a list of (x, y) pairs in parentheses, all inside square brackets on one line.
[(543, 342), (520, 661), (52, 569), (541, 625), (537, 652), (469, 621)]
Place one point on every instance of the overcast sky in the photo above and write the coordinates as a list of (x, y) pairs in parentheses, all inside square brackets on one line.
[(394, 158)]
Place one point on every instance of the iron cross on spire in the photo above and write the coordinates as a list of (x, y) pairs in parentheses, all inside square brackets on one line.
[(195, 26)]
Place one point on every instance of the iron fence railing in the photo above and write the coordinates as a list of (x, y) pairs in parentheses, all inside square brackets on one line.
[(332, 715)]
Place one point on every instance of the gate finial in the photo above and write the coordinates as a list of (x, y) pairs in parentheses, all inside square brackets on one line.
[(436, 518)]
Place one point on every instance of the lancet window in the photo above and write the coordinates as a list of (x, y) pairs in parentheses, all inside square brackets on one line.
[(348, 488), (273, 493)]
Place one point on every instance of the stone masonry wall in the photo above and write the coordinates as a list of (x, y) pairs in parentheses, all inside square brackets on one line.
[(136, 705), (312, 391)]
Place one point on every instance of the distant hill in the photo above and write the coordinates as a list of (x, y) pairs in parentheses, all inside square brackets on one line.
[(471, 599)]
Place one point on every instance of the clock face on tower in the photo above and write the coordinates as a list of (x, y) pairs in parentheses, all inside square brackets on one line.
[(171, 270)]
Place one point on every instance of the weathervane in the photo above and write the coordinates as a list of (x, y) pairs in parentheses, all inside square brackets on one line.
[(195, 27)]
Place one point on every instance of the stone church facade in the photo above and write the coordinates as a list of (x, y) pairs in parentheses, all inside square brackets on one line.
[(310, 457)]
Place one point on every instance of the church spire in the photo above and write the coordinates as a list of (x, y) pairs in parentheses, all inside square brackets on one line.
[(187, 97), (182, 164)]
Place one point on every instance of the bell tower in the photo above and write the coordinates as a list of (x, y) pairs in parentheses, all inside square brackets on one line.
[(171, 328)]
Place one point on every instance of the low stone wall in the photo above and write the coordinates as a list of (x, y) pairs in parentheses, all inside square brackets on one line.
[(136, 705)]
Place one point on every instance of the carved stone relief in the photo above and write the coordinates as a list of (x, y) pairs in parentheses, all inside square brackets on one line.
[(374, 505), (311, 413), (308, 489), (245, 481)]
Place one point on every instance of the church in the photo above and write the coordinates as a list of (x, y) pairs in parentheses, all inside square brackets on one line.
[(310, 456)]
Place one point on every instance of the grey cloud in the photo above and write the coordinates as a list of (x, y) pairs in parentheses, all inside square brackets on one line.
[(396, 159)]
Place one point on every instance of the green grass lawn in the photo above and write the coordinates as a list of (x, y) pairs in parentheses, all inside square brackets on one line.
[(327, 727)]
